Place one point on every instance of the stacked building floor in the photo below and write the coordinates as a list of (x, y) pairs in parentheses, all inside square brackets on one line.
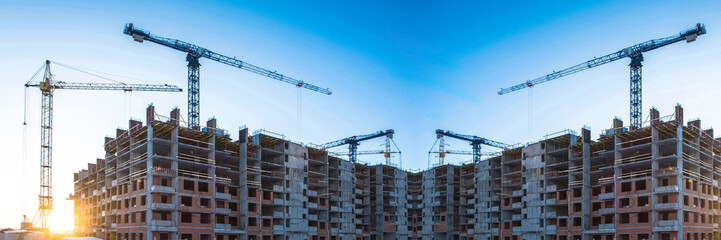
[(163, 181)]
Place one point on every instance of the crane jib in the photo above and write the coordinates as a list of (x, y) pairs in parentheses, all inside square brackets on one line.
[(689, 35)]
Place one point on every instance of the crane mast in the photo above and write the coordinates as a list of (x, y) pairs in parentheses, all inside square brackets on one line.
[(194, 53), (47, 87), (635, 53)]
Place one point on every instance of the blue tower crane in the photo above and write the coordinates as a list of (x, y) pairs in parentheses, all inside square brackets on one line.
[(354, 141), (475, 142), (635, 53), (195, 53)]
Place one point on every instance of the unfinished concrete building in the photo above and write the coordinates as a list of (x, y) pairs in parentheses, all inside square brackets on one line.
[(164, 181)]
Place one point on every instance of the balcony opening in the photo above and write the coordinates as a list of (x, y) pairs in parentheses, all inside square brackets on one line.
[(203, 186), (205, 218), (640, 185), (186, 201), (186, 217), (609, 188), (665, 236), (252, 193), (626, 187), (188, 185), (643, 201), (624, 202), (577, 222), (643, 217), (624, 218)]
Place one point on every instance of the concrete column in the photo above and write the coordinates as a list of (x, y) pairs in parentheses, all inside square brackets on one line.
[(211, 128), (174, 166), (450, 214), (242, 181), (679, 177), (654, 168), (586, 205), (617, 129), (148, 182)]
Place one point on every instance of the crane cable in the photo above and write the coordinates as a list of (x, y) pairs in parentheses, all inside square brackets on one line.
[(300, 116), (530, 114), (25, 139), (25, 151), (97, 73)]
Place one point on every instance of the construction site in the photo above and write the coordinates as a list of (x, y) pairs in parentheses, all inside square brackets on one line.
[(175, 178), (162, 180)]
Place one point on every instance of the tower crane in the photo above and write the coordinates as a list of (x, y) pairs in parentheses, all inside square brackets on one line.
[(474, 141), (635, 53), (47, 86), (196, 52), (354, 141)]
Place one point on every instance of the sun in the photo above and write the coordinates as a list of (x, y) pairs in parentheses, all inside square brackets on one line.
[(62, 219)]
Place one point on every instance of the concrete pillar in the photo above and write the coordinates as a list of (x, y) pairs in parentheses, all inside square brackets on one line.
[(617, 126), (678, 114), (150, 114), (242, 181), (149, 181), (174, 181), (654, 168), (679, 166), (586, 205), (616, 156)]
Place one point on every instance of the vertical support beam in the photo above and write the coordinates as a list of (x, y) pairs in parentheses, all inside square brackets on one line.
[(678, 113), (174, 215), (242, 181), (636, 90), (654, 167), (586, 205), (150, 114), (193, 90), (149, 181), (211, 125), (654, 117), (617, 128)]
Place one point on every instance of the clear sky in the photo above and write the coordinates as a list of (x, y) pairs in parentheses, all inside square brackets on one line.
[(412, 66)]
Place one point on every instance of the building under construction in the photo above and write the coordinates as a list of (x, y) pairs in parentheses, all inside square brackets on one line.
[(163, 181)]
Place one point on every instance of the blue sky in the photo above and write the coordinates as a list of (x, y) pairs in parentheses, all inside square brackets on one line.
[(412, 66)]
